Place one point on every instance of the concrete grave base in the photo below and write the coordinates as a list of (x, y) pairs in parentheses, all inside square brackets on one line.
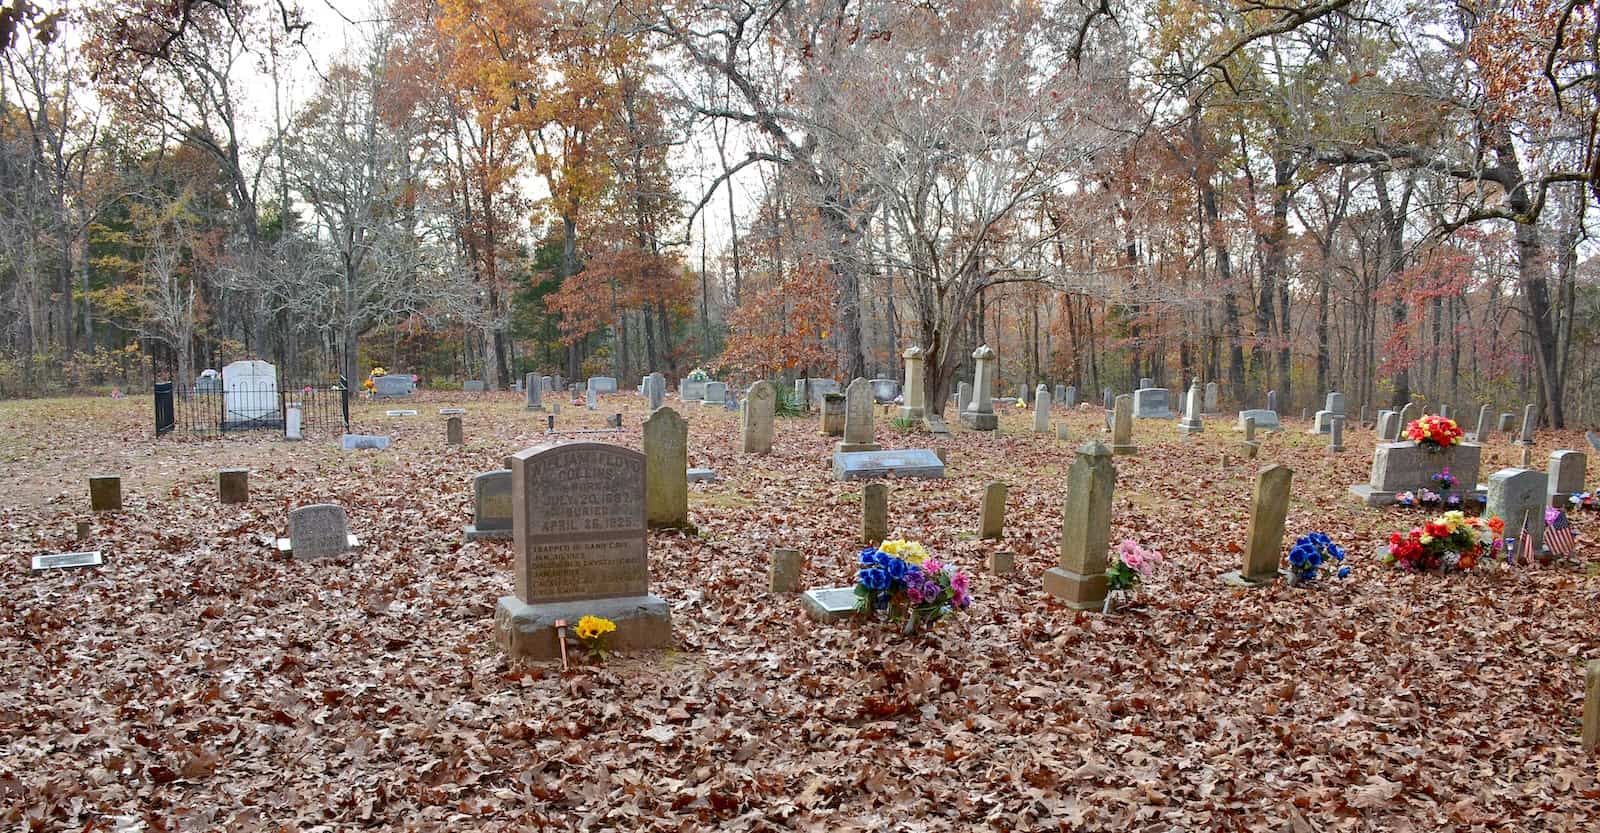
[(1076, 591), (917, 463), (471, 532), (829, 604), (1374, 498), (852, 448), (978, 421), (286, 548), (1124, 449), (525, 630)]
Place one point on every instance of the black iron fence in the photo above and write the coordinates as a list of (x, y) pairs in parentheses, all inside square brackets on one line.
[(213, 406)]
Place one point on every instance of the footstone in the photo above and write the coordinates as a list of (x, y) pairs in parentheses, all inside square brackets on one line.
[(1269, 509), (874, 514), (1565, 476), (578, 519), (917, 463), (701, 475), (491, 506), (66, 561), (353, 442), (452, 411), (1002, 562), (992, 523), (233, 485), (829, 604), (452, 431), (783, 574), (105, 493), (1079, 577), (317, 531), (1517, 496), (401, 413)]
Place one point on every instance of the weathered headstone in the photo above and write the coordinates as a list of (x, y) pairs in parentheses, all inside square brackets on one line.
[(1504, 424), (533, 392), (1071, 399), (1079, 578), (602, 384), (1212, 390), (1272, 402), (1122, 426), (755, 423), (1002, 562), (1041, 410), (666, 462), (1388, 426), (833, 415), (874, 514), (859, 432), (963, 397), (1516, 495), (655, 391), (233, 486), (991, 526), (579, 525), (1269, 509), (1482, 434), (1530, 418), (353, 442), (105, 493), (249, 394), (979, 414), (716, 393), (1146, 382), (491, 506), (1192, 403), (1151, 403), (1062, 431), (884, 391), (1265, 420), (452, 431), (916, 463), (783, 574), (317, 531), (1565, 476), (1408, 467), (1336, 434)]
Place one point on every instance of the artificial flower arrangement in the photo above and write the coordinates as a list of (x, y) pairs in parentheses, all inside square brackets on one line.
[(1313, 556), (1127, 568), (591, 633), (899, 579), (1449, 543), (699, 374), (1584, 500), (1434, 432), (1406, 498)]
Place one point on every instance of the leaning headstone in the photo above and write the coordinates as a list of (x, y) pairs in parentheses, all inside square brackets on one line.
[(783, 574), (1122, 426), (755, 424), (1482, 434), (233, 486), (491, 506), (913, 463), (1269, 509), (1191, 422), (105, 493), (833, 415), (666, 462), (979, 414), (991, 526), (1336, 434), (874, 514), (859, 432), (578, 514), (317, 531), (716, 393), (1211, 397), (1041, 410), (1515, 496), (1079, 577), (353, 442), (1151, 403), (1565, 476), (249, 394), (1530, 417), (452, 431), (533, 391)]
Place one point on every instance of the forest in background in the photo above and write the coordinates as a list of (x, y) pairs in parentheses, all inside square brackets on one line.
[(1384, 199)]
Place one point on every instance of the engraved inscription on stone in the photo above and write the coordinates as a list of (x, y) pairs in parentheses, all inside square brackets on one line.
[(318, 531), (579, 523)]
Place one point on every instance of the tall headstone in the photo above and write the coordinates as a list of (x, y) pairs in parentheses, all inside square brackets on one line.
[(1516, 495), (452, 431), (1041, 410), (666, 466), (1024, 395), (1336, 434), (1058, 395), (992, 524), (1107, 398), (317, 531), (1079, 578), (655, 390), (914, 406), (249, 394), (1388, 426), (105, 493), (1192, 403), (1122, 426), (1272, 401), (874, 514), (833, 414), (578, 514), (859, 433), (491, 506), (533, 392), (1269, 509), (756, 413), (1482, 432), (1071, 400), (1211, 397), (233, 486), (979, 414), (1530, 418), (1566, 475)]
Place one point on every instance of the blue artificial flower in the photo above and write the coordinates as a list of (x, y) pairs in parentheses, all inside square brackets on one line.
[(869, 557), (1338, 552), (873, 578), (896, 568), (1344, 572)]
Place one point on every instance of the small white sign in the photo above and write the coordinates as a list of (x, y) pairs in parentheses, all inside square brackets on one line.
[(446, 411), (401, 413), (67, 561)]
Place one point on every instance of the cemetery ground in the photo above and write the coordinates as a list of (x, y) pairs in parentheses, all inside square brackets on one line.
[(199, 680)]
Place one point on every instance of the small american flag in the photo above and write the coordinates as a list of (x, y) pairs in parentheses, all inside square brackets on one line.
[(1525, 553), (1558, 536)]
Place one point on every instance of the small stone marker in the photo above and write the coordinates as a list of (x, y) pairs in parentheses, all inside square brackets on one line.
[(874, 514), (1530, 417), (1269, 509), (702, 476), (317, 531), (1336, 434), (1002, 562), (1591, 706), (353, 442), (1516, 495), (533, 390), (859, 433), (992, 524), (1079, 578), (452, 431), (1565, 476), (1062, 432), (1041, 410), (916, 463), (1249, 429), (84, 528), (67, 561), (783, 574), (233, 486), (1122, 426), (829, 604), (452, 411), (105, 493), (491, 506), (666, 460), (755, 423)]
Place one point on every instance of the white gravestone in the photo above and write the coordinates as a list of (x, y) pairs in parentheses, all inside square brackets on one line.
[(249, 393)]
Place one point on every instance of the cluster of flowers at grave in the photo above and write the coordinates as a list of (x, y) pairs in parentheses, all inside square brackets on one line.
[(1314, 556), (1435, 432), (1451, 542), (1446, 496), (591, 632), (699, 374), (900, 580), (1584, 500), (1129, 565)]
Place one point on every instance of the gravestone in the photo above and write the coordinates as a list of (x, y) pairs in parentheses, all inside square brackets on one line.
[(884, 391), (1408, 467), (1408, 415), (913, 405), (1211, 397), (452, 431), (1336, 434), (1079, 577), (1151, 403), (716, 393), (979, 414), (533, 392), (292, 422), (1146, 382), (1388, 426), (105, 493), (1444, 411), (666, 462), (1062, 432), (829, 604), (874, 514), (755, 423), (602, 384), (783, 574), (1071, 400), (66, 561), (1024, 394), (1106, 399), (1249, 428), (859, 431), (1504, 425), (692, 390), (233, 486), (474, 386), (392, 386), (578, 522), (992, 524), (1041, 410), (1122, 426), (1516, 495), (1530, 417), (963, 397), (547, 383), (1482, 434), (914, 463), (1272, 404), (1269, 508), (1335, 403), (1058, 395), (317, 531), (1334, 406), (1565, 476), (655, 391), (1265, 420), (209, 382), (249, 395), (491, 506), (833, 415), (353, 442), (1593, 438), (1191, 422)]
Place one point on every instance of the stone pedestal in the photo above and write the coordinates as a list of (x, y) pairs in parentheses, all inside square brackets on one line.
[(529, 630), (979, 414)]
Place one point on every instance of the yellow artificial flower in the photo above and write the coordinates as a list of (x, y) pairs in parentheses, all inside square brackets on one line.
[(910, 552), (593, 627), (1426, 539)]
